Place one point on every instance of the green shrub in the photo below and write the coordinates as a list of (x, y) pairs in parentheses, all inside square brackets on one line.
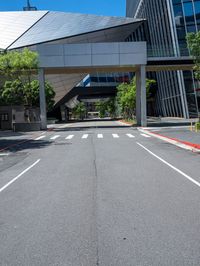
[(197, 126)]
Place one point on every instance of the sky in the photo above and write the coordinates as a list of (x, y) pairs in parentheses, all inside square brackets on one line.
[(98, 7)]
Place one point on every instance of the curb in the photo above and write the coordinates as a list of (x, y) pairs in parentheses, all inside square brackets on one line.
[(179, 143), (121, 122)]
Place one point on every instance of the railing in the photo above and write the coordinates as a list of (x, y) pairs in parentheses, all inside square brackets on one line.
[(160, 51)]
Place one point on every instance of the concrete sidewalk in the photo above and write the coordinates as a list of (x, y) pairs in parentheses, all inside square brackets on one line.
[(180, 136)]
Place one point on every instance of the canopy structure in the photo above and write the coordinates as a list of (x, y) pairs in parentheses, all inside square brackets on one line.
[(33, 28)]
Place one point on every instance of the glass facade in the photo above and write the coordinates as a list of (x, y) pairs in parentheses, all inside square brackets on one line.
[(187, 19), (106, 79), (168, 23)]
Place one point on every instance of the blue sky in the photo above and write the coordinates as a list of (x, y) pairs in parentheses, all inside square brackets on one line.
[(99, 7)]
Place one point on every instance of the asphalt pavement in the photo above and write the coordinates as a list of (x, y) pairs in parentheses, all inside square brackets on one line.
[(98, 193)]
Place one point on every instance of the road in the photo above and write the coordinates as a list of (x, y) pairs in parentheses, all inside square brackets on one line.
[(89, 194)]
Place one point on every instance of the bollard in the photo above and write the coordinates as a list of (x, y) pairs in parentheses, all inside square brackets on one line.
[(191, 126)]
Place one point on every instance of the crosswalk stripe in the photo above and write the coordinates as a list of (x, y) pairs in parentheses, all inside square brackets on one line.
[(130, 136), (115, 136), (85, 136), (144, 135), (100, 136), (41, 137), (55, 137), (69, 137)]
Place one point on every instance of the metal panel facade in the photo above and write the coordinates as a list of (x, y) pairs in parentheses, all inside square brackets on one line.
[(59, 25), (14, 24), (92, 55)]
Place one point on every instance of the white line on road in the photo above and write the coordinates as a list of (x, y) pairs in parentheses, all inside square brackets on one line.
[(69, 137), (170, 165), (144, 135), (130, 136), (100, 136), (55, 137), (41, 137), (4, 154), (115, 136), (17, 177), (85, 136)]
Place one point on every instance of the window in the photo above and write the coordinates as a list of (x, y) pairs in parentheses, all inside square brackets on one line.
[(4, 117)]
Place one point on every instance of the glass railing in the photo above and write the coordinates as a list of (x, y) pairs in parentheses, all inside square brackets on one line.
[(160, 51)]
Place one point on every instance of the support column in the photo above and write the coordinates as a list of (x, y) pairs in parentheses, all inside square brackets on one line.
[(141, 102), (43, 112)]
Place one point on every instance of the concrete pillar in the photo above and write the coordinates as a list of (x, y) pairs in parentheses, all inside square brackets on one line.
[(43, 111), (141, 102), (63, 114)]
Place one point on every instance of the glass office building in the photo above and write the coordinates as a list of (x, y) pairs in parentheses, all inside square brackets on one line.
[(168, 22)]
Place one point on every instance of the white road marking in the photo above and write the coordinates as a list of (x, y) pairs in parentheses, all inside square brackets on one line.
[(17, 177), (170, 165), (4, 154), (115, 136), (69, 137), (144, 135), (85, 136), (41, 137), (130, 136), (100, 136), (55, 137)]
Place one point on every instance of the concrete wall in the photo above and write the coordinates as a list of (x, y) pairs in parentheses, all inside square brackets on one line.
[(92, 55), (19, 115)]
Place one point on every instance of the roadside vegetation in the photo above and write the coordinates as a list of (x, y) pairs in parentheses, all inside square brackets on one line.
[(19, 85), (126, 98), (79, 112), (106, 108), (193, 43), (122, 106)]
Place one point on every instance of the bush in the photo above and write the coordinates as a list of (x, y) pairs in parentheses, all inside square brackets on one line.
[(197, 126)]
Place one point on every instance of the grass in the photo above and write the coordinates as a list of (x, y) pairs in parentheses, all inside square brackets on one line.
[(197, 126)]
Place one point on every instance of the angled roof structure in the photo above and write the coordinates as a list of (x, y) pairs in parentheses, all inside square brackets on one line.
[(21, 29), (14, 24), (32, 28)]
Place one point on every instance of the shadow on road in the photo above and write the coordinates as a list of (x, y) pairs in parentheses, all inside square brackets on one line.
[(13, 146)]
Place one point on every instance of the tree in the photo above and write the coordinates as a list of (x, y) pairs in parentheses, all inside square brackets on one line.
[(17, 69), (79, 111), (18, 64), (32, 94), (12, 93), (100, 107), (193, 43), (106, 108), (111, 107), (18, 93), (126, 97)]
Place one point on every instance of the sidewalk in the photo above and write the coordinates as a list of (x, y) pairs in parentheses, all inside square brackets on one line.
[(180, 136)]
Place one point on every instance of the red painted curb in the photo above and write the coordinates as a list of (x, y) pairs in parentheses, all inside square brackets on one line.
[(193, 145)]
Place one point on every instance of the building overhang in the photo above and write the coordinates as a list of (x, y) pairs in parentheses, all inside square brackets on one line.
[(169, 63)]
